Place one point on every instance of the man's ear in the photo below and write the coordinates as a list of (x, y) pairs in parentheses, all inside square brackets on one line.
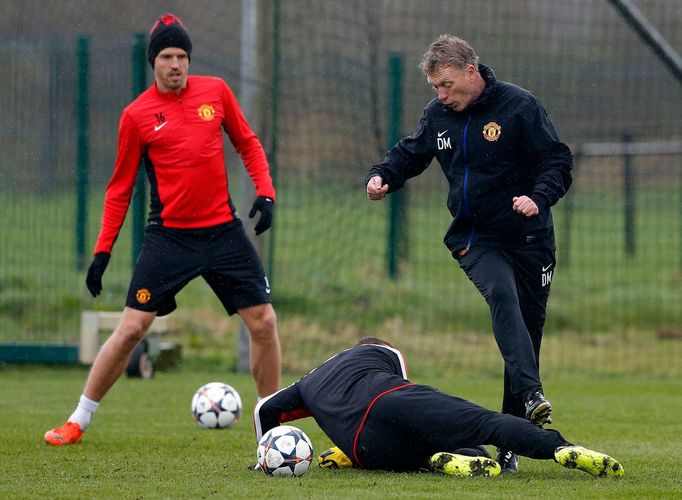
[(471, 71)]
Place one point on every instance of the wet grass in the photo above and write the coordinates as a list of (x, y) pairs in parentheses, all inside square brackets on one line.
[(144, 444)]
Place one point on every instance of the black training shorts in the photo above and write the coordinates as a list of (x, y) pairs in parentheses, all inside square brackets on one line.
[(223, 255)]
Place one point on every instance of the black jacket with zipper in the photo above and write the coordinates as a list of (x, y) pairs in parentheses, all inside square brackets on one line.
[(502, 145)]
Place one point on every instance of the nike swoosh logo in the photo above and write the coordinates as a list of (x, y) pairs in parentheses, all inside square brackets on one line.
[(544, 269), (440, 134), (159, 127)]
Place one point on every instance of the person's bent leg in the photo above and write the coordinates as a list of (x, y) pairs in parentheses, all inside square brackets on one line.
[(439, 422), (534, 268), (522, 437), (266, 357), (406, 428), (109, 364), (112, 358), (492, 272)]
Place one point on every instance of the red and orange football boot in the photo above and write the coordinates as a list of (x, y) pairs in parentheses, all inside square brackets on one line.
[(69, 433)]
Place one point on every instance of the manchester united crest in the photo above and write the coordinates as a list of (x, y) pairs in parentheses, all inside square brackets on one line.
[(143, 295), (492, 131), (206, 112)]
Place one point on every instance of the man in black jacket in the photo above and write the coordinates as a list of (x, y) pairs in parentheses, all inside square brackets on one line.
[(378, 419), (505, 167)]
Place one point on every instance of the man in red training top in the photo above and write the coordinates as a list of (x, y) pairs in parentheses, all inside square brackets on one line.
[(193, 229)]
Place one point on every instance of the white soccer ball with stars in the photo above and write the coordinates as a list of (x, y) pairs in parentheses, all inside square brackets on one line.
[(285, 451), (216, 406)]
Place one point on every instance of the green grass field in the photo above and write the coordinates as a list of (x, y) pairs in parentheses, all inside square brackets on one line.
[(144, 444)]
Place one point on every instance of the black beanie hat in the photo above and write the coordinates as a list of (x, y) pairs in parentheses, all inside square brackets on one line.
[(168, 31)]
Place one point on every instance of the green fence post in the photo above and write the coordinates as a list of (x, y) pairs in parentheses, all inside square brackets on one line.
[(274, 98), (629, 192), (83, 150), (139, 73), (397, 229)]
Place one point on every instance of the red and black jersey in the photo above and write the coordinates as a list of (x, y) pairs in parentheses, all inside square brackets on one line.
[(180, 139), (339, 394)]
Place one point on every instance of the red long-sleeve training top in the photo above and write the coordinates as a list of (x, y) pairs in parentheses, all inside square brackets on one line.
[(181, 141)]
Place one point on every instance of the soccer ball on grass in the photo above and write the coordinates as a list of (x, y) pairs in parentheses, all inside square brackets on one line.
[(284, 451), (216, 406)]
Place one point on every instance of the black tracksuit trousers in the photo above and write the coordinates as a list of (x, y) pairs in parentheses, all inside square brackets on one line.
[(515, 283), (406, 427)]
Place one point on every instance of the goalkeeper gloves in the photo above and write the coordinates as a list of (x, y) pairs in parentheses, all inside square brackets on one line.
[(265, 206), (95, 272), (334, 458)]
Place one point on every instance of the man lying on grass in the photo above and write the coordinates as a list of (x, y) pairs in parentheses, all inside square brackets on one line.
[(378, 419)]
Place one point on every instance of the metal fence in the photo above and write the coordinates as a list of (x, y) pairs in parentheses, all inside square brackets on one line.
[(321, 104)]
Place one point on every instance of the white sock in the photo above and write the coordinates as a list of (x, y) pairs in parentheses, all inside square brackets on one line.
[(83, 414)]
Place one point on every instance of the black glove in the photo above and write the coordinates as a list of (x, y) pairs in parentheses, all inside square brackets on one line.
[(95, 272), (265, 206)]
